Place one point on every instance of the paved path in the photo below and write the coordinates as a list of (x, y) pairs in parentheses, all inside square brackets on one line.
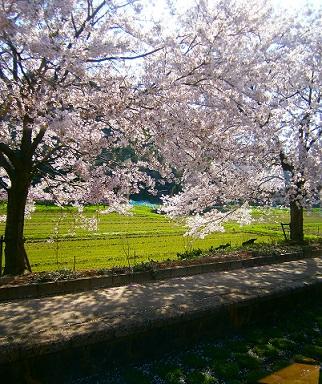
[(55, 320)]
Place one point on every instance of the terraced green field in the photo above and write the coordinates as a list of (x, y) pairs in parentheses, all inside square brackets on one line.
[(53, 241)]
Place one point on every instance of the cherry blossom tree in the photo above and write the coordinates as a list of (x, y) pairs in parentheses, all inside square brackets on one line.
[(286, 88), (203, 112), (294, 77), (239, 99), (66, 96)]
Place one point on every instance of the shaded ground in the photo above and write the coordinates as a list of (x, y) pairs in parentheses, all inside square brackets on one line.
[(30, 320)]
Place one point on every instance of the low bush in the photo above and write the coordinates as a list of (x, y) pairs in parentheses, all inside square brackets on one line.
[(190, 254)]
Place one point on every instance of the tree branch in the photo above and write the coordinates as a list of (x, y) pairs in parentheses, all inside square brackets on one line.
[(4, 185), (110, 58), (6, 150), (90, 17), (192, 71), (4, 163), (38, 139), (46, 159), (269, 178), (25, 146)]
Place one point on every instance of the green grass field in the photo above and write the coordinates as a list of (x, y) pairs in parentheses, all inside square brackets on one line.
[(120, 240)]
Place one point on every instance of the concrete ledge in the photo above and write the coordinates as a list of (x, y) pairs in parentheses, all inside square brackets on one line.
[(89, 283), (96, 347)]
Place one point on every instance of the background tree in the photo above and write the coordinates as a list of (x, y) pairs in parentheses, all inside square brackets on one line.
[(294, 80), (66, 93), (238, 94)]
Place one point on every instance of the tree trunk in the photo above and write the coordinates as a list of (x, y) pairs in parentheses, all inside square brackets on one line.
[(296, 211), (15, 253), (296, 224)]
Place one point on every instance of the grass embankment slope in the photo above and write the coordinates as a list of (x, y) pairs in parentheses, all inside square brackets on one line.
[(122, 240), (242, 357)]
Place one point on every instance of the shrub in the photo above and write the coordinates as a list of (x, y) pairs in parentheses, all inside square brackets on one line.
[(247, 361), (189, 254), (217, 351), (314, 351), (194, 360), (283, 343), (174, 376), (253, 376), (134, 376), (266, 350), (145, 266), (226, 369), (197, 377)]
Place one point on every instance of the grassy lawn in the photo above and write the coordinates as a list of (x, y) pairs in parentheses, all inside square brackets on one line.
[(120, 240), (241, 357)]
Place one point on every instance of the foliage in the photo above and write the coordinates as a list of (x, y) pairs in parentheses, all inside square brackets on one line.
[(134, 376), (197, 377), (96, 99), (174, 376), (68, 96), (266, 348), (147, 266), (59, 59), (241, 88), (190, 254), (63, 274)]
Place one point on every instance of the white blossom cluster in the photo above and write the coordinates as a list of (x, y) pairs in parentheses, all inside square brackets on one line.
[(238, 94), (227, 104)]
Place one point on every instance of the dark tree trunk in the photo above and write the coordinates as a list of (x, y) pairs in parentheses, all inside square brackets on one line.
[(296, 211), (15, 253), (296, 224), (20, 168)]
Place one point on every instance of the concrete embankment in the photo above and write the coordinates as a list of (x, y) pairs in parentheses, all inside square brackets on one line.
[(54, 339)]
